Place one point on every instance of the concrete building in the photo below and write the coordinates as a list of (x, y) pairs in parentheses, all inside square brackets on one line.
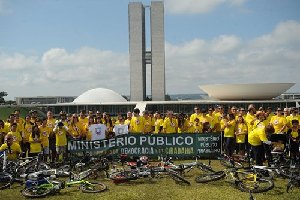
[(44, 100), (139, 57)]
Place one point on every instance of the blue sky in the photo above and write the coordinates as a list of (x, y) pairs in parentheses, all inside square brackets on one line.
[(49, 46)]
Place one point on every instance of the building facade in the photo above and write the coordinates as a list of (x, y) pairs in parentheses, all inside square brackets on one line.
[(139, 57)]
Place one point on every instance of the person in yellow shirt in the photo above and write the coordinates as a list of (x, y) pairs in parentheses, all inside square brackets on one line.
[(250, 118), (51, 122), (26, 132), (269, 113), (279, 122), (75, 127), (17, 115), (294, 135), (214, 121), (170, 124), (16, 135), (45, 133), (35, 142), (205, 120), (182, 123), (218, 113), (82, 118), (13, 149), (158, 124), (149, 126), (229, 137), (197, 126), (4, 129), (137, 123), (240, 134), (108, 122), (258, 136), (195, 115), (128, 119), (294, 116), (61, 132)]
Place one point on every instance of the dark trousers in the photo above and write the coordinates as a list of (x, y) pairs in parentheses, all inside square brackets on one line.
[(229, 145), (259, 154), (25, 149)]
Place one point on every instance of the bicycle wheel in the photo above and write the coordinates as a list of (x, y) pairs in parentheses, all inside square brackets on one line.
[(5, 180), (288, 172), (36, 167), (119, 177), (204, 178), (231, 163), (179, 179), (205, 167), (36, 191), (93, 187), (260, 185)]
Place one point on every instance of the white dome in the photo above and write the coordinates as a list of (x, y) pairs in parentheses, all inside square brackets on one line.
[(252, 91), (99, 95)]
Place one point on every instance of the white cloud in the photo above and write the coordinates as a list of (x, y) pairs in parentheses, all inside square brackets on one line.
[(16, 62), (228, 59), (197, 6), (75, 72)]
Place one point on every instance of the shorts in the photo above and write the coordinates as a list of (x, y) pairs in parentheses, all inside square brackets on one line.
[(61, 149), (46, 150)]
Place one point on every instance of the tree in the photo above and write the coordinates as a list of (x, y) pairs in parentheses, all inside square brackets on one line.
[(2, 94)]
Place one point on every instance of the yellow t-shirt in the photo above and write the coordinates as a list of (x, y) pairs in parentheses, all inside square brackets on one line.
[(16, 135), (44, 136), (27, 130), (197, 128), (278, 123), (170, 125), (5, 129), (294, 134), (137, 124), (76, 129), (61, 136), (158, 124), (258, 135), (291, 117), (185, 127), (229, 130), (241, 128), (83, 121), (35, 144), (148, 125), (127, 122), (51, 124), (250, 119), (15, 150), (194, 116)]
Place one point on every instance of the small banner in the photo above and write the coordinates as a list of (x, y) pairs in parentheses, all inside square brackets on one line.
[(179, 145)]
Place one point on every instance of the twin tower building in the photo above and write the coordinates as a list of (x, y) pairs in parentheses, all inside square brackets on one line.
[(140, 57)]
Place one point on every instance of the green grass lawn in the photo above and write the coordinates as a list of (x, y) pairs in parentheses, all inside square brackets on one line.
[(166, 188), (5, 111)]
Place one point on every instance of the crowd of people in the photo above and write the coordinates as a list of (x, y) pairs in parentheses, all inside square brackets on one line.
[(242, 129)]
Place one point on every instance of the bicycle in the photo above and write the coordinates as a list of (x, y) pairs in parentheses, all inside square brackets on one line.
[(235, 161), (126, 175), (52, 187), (293, 182), (244, 179)]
